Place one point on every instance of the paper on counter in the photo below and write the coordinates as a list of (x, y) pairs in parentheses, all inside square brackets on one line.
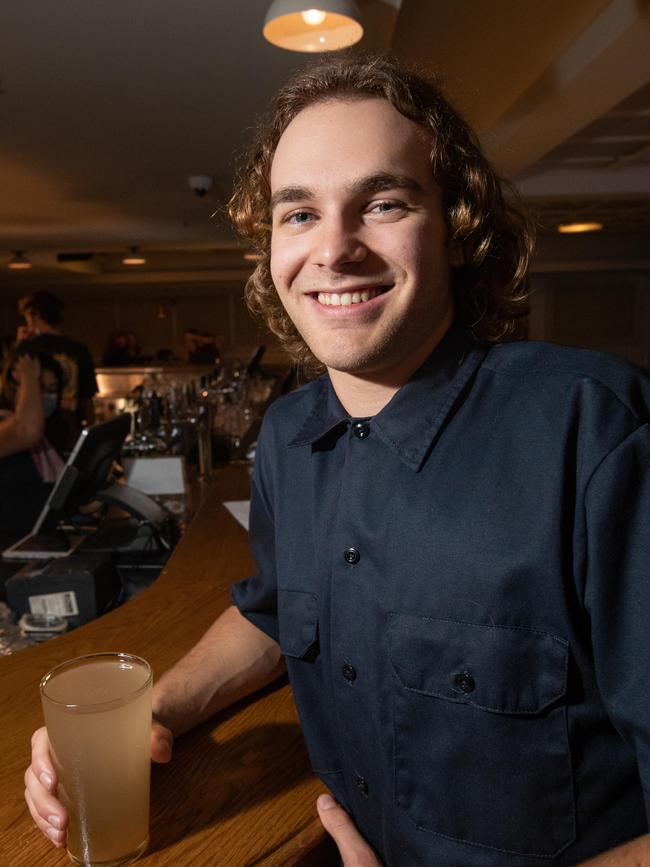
[(164, 475), (240, 510)]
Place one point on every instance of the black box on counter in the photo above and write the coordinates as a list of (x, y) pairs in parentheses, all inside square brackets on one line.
[(79, 588)]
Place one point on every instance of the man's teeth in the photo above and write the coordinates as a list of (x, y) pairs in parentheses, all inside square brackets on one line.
[(346, 298)]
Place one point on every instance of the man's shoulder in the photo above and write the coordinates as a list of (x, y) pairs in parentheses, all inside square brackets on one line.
[(537, 356), (556, 367)]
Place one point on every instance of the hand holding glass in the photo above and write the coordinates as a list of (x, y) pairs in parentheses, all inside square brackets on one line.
[(97, 711)]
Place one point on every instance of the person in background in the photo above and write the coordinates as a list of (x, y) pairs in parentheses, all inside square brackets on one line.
[(32, 383), (451, 527), (133, 347), (61, 429), (121, 350), (43, 313), (201, 347)]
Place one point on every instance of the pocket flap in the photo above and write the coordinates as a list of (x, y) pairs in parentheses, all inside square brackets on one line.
[(502, 669), (298, 621)]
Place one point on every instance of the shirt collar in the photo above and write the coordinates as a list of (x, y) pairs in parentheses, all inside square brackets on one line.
[(410, 422)]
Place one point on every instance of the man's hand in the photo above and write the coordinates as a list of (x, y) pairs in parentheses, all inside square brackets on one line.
[(162, 742), (354, 850), (47, 812)]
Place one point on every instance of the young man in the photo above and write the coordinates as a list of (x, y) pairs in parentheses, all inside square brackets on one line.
[(450, 529)]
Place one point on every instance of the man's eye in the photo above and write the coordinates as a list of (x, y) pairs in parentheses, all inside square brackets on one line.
[(298, 217), (386, 207)]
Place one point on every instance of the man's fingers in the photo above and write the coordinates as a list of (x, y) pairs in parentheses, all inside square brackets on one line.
[(41, 761), (162, 742), (47, 815), (354, 850), (40, 790)]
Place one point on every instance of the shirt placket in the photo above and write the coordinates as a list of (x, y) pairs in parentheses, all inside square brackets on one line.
[(353, 613)]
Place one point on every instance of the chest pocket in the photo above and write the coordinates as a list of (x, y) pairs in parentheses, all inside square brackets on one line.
[(481, 748)]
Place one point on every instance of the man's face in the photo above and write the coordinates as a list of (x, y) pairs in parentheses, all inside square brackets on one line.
[(359, 245)]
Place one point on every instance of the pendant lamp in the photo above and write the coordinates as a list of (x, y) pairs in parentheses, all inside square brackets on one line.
[(295, 26), (19, 262), (135, 257)]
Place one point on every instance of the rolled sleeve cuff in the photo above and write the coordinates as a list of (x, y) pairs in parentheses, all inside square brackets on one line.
[(255, 604)]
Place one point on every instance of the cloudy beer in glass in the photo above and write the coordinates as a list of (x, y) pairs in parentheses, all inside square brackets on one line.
[(97, 711)]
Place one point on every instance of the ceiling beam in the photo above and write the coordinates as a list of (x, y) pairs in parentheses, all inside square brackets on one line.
[(576, 88)]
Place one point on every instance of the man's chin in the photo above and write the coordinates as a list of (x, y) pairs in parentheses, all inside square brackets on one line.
[(352, 364)]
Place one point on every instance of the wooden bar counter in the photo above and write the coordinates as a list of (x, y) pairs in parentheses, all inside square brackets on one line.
[(239, 791)]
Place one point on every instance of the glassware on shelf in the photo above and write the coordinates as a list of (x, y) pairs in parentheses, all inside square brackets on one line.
[(172, 416)]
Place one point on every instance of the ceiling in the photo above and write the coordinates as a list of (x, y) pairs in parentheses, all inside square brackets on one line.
[(106, 108)]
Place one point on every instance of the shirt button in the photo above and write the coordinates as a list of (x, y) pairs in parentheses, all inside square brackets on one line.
[(465, 682), (362, 785), (351, 556), (361, 430), (349, 672)]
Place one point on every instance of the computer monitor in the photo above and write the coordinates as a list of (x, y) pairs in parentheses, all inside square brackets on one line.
[(86, 473)]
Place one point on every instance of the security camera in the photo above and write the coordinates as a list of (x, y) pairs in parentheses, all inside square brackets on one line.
[(200, 184)]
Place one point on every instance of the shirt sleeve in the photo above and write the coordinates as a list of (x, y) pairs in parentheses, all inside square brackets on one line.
[(617, 593), (256, 597)]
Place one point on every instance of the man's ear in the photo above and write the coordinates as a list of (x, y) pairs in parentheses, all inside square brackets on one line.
[(456, 254)]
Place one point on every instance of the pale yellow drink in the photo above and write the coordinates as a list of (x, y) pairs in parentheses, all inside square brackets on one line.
[(98, 715)]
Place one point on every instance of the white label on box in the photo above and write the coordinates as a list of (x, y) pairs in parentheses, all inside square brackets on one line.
[(60, 604)]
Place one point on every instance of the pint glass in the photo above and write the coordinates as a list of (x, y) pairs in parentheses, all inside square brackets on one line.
[(97, 711)]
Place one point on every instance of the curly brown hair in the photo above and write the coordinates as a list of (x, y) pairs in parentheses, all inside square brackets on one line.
[(496, 237)]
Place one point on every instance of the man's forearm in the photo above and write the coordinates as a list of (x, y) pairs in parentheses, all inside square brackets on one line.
[(232, 660), (636, 853)]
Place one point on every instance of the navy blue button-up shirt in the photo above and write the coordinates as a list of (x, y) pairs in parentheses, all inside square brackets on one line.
[(461, 588)]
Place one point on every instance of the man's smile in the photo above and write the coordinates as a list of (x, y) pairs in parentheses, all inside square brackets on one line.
[(349, 297)]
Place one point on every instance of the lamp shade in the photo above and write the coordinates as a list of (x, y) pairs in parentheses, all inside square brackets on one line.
[(19, 262), (326, 26), (135, 257)]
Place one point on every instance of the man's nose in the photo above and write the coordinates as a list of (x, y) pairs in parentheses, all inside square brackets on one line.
[(338, 243)]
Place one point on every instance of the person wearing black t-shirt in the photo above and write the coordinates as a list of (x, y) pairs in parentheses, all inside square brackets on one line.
[(43, 316), (31, 385)]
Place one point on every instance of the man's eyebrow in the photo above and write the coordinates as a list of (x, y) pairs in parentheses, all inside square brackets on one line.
[(376, 183), (386, 181), (286, 195)]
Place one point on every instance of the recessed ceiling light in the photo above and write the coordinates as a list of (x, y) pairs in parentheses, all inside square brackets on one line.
[(576, 228), (134, 257), (19, 262)]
